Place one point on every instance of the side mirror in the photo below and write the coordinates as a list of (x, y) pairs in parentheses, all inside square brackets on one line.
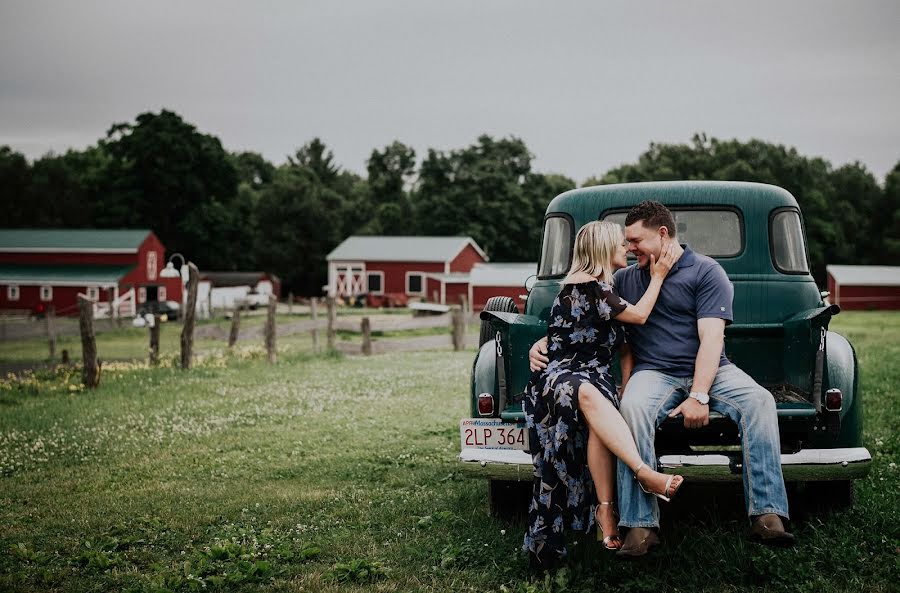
[(530, 281)]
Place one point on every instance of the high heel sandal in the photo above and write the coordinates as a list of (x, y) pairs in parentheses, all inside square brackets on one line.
[(668, 492), (610, 542)]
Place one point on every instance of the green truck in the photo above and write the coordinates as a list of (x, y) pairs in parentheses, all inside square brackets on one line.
[(779, 336)]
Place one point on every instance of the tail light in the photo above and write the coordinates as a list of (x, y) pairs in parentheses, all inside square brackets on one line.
[(485, 404), (834, 400)]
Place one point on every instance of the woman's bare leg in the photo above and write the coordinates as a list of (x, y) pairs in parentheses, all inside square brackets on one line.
[(612, 432), (602, 465)]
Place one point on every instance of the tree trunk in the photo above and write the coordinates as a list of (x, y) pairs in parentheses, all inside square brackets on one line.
[(190, 312), (235, 325), (154, 341), (90, 374), (270, 329)]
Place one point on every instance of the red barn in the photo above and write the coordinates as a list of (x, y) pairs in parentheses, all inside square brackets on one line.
[(411, 266), (501, 279), (42, 268), (864, 287)]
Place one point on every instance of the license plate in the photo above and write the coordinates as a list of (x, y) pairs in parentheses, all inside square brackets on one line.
[(492, 433)]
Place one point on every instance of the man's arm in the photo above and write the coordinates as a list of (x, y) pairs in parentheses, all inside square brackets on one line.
[(712, 339)]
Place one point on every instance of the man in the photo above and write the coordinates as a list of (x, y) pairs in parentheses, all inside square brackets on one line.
[(674, 365)]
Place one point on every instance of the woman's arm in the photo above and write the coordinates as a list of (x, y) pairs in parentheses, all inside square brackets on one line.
[(638, 314)]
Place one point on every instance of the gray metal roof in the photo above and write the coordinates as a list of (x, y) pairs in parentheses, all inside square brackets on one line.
[(865, 275), (77, 240), (501, 274), (416, 249)]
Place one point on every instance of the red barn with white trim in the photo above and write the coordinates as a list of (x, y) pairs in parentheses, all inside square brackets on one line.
[(864, 287), (42, 268)]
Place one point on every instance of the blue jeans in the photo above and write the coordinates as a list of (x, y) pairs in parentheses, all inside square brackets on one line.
[(650, 396)]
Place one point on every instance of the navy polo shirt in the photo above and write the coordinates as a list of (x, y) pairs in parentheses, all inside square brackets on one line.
[(696, 288)]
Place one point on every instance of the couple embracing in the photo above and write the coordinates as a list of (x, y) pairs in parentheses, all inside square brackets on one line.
[(590, 445)]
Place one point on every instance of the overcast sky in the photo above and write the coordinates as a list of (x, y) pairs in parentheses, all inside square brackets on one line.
[(586, 85)]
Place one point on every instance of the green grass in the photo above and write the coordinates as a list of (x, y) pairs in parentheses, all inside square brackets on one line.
[(331, 474)]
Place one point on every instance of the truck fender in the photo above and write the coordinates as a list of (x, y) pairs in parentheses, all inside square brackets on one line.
[(484, 375), (843, 373)]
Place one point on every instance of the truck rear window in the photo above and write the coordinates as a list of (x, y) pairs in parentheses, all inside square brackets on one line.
[(556, 251), (716, 233), (788, 250)]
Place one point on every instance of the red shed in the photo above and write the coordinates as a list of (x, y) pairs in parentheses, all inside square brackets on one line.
[(864, 287), (500, 279), (41, 268), (411, 266)]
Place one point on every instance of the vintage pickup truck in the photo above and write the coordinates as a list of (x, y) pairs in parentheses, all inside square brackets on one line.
[(779, 336)]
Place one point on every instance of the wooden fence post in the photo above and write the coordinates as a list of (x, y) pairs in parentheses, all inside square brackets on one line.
[(366, 336), (313, 309), (190, 312), (154, 341), (235, 325), (464, 303), (111, 301), (459, 329), (90, 373), (270, 329), (49, 317), (332, 321)]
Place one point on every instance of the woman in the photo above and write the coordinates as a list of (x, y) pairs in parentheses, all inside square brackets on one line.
[(571, 407)]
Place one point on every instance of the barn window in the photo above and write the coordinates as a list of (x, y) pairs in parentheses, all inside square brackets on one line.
[(415, 283), (151, 265), (12, 292), (142, 294), (375, 282), (161, 293), (46, 293), (93, 293)]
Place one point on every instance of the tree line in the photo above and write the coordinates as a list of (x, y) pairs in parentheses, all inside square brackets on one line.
[(237, 211)]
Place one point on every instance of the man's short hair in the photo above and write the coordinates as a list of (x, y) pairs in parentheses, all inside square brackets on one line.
[(653, 214)]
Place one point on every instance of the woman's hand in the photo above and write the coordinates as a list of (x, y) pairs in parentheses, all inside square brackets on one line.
[(668, 256), (537, 356)]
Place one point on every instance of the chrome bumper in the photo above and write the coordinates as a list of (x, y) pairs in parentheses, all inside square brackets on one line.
[(803, 466)]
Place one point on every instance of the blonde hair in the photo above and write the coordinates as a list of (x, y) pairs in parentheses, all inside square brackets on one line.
[(595, 246)]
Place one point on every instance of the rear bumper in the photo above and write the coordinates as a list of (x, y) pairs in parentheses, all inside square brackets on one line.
[(803, 466)]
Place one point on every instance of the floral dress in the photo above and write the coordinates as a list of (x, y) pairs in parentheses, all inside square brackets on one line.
[(582, 337)]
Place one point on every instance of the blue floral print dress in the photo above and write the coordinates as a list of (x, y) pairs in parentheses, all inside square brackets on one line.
[(582, 337)]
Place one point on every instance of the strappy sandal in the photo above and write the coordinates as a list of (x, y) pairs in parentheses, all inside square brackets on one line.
[(668, 492), (610, 542)]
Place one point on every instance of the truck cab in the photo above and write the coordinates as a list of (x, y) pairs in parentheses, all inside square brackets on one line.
[(779, 336)]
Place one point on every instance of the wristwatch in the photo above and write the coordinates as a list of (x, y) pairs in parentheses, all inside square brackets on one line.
[(703, 398)]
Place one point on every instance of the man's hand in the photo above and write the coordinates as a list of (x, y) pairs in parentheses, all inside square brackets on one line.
[(537, 356), (695, 414)]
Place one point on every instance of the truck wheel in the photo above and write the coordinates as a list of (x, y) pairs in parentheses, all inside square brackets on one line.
[(509, 500), (500, 304)]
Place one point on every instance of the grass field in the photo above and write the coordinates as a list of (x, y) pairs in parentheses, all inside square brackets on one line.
[(330, 474)]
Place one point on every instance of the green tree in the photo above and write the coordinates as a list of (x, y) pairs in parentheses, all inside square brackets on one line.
[(888, 219), (181, 183), (299, 223), (15, 180), (390, 171)]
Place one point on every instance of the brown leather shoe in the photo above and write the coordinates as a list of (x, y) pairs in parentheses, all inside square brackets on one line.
[(769, 530), (638, 542)]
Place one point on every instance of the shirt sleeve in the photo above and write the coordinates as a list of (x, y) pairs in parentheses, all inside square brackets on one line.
[(715, 294), (608, 295)]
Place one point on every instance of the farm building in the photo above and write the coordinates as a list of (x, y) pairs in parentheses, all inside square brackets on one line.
[(119, 269), (500, 279), (436, 269), (225, 289), (864, 287)]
